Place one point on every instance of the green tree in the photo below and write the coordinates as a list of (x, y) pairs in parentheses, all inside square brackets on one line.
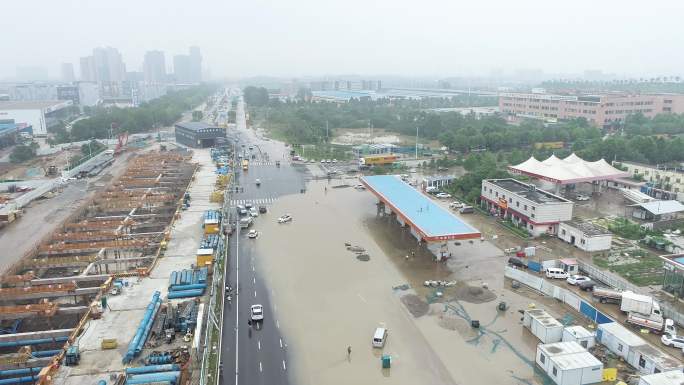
[(256, 96), (22, 153)]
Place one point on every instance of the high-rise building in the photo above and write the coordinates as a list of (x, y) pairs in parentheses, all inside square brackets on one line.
[(88, 69), (195, 65), (182, 69), (154, 67), (68, 72), (109, 66)]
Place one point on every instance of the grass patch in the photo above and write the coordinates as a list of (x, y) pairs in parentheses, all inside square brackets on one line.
[(323, 151), (640, 270)]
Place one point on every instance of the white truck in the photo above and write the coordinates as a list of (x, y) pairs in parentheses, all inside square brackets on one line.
[(641, 310)]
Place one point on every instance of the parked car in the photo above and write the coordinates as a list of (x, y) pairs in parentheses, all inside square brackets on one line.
[(334, 160), (443, 195), (253, 234), (455, 205), (577, 279), (257, 313), (671, 340), (253, 212), (517, 262), (360, 187), (262, 209), (285, 218), (466, 210), (258, 182), (248, 206), (587, 285), (581, 197), (556, 273)]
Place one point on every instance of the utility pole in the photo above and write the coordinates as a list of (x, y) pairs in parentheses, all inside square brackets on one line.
[(327, 137), (416, 142)]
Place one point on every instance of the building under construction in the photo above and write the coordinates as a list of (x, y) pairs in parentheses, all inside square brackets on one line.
[(51, 293)]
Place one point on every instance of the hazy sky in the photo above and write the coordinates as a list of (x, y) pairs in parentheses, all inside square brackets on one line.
[(368, 37)]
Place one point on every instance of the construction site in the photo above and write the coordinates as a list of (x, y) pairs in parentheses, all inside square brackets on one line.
[(102, 299)]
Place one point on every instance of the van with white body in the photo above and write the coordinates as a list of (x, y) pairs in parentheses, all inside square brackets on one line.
[(379, 337), (556, 273)]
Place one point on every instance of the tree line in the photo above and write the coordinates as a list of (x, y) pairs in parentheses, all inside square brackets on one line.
[(105, 121)]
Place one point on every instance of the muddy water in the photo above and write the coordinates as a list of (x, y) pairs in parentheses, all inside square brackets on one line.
[(325, 299)]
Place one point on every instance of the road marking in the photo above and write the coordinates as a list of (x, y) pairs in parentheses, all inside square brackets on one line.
[(281, 343), (259, 344), (254, 280), (362, 299), (254, 293), (252, 268), (261, 369), (284, 367), (277, 324)]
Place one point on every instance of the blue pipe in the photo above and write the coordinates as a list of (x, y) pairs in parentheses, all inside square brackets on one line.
[(153, 369), (19, 372), (188, 287), (145, 323), (185, 293), (155, 383), (40, 341), (141, 344), (102, 382), (45, 353), (154, 377), (18, 380)]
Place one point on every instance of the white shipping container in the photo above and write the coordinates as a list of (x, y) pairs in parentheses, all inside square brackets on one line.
[(648, 360), (618, 339), (673, 377), (543, 326), (546, 351), (576, 369), (580, 335), (632, 302)]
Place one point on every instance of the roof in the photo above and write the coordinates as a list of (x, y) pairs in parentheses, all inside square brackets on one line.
[(673, 377), (579, 331), (436, 178), (661, 207), (30, 104), (430, 220), (561, 348), (576, 361), (588, 228), (572, 169), (527, 191), (544, 318), (194, 126), (622, 333)]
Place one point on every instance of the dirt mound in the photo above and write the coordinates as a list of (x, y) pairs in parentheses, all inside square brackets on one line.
[(456, 324), (473, 294), (415, 305)]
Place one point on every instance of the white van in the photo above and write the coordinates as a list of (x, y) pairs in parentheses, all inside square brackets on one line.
[(554, 272), (379, 337)]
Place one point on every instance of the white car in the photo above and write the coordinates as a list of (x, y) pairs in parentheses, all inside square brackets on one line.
[(577, 279), (253, 212), (334, 160), (257, 313), (455, 205), (252, 234), (581, 197), (258, 182), (443, 195), (328, 161), (322, 160), (285, 218), (671, 340)]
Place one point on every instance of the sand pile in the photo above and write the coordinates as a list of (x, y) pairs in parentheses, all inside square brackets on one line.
[(473, 294), (415, 305)]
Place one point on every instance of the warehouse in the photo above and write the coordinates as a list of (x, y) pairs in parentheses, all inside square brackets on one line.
[(198, 134), (41, 115), (585, 235)]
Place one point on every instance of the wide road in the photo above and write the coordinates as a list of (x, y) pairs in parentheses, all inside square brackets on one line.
[(258, 351)]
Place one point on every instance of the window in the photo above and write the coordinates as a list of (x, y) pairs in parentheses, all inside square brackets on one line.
[(619, 347), (531, 227), (555, 371), (525, 208), (583, 241), (542, 358), (584, 344), (563, 232), (642, 361), (496, 194), (532, 215), (533, 208), (517, 204), (510, 200)]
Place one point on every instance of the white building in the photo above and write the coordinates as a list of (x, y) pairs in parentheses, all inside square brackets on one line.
[(543, 326), (585, 235), (673, 377), (39, 114), (575, 369), (88, 94), (546, 351), (579, 334), (537, 211)]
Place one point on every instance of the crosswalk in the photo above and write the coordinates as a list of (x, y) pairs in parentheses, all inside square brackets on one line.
[(261, 163), (258, 201)]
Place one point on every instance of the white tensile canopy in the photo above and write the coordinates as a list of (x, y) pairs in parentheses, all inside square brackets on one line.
[(572, 169)]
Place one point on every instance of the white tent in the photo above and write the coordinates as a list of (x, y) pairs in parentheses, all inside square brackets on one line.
[(572, 169)]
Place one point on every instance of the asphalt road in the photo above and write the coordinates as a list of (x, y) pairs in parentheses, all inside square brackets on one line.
[(258, 351)]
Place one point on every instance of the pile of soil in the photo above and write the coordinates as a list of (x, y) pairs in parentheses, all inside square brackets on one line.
[(415, 305), (473, 294)]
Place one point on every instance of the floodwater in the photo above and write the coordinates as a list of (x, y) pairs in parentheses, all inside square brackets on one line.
[(325, 299)]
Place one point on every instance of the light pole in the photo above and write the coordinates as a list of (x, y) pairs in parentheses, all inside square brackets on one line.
[(416, 142)]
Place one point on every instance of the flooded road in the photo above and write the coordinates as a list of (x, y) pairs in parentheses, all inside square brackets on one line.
[(327, 299)]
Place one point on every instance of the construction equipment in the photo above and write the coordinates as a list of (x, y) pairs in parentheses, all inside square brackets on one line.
[(109, 343), (122, 142), (73, 356)]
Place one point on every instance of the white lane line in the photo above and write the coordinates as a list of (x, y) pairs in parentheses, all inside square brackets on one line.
[(277, 324), (254, 293), (281, 343), (259, 344), (261, 369), (252, 268), (362, 299), (254, 280), (284, 367)]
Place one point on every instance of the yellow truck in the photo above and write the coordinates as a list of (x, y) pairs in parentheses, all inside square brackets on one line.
[(377, 160)]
